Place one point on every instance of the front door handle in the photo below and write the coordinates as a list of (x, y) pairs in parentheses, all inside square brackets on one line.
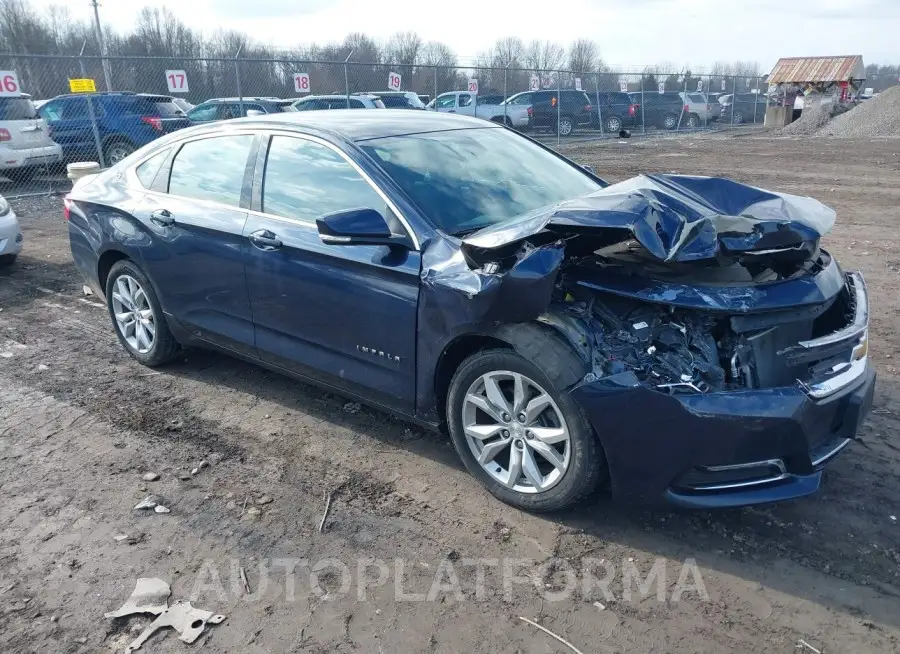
[(162, 217), (265, 240)]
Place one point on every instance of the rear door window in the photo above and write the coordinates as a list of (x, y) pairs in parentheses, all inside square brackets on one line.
[(465, 99), (17, 109), (212, 169)]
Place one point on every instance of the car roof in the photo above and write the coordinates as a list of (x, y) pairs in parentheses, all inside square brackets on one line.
[(337, 96), (355, 125), (247, 99)]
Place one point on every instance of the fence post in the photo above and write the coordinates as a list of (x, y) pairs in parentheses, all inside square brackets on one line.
[(435, 87), (505, 92), (756, 101), (683, 100), (643, 102), (733, 97), (599, 111), (237, 79), (91, 116), (558, 106), (347, 78)]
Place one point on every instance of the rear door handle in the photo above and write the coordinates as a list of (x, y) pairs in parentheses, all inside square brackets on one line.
[(162, 217), (265, 240)]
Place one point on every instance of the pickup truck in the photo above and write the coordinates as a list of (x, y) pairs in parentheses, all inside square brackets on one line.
[(467, 104)]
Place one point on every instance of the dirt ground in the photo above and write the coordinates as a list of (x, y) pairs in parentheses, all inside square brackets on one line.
[(453, 569)]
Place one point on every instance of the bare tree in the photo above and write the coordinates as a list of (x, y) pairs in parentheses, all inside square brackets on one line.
[(544, 55), (584, 56)]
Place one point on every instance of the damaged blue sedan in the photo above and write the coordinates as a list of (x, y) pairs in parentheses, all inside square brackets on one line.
[(681, 340)]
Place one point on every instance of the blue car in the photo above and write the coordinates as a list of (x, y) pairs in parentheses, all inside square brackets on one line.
[(681, 340), (124, 122)]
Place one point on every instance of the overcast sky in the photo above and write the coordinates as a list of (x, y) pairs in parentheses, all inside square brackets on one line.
[(631, 33)]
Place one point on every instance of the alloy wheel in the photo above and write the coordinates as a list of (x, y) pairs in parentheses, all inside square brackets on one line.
[(516, 432), (671, 122), (134, 317), (117, 152), (613, 125), (565, 127)]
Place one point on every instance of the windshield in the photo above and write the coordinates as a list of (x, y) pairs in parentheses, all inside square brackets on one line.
[(466, 179)]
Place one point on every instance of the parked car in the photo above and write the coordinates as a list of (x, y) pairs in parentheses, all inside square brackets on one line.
[(228, 108), (662, 110), (616, 111), (749, 108), (700, 109), (575, 109), (183, 104), (316, 102), (397, 99), (25, 143), (124, 121), (468, 104), (564, 331), (424, 98), (10, 234)]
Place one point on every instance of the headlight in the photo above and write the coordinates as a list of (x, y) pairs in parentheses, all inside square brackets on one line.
[(4, 206)]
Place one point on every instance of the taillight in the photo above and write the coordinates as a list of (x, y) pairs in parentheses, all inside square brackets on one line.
[(687, 108), (530, 112), (154, 122), (67, 208), (4, 134), (633, 109), (588, 108)]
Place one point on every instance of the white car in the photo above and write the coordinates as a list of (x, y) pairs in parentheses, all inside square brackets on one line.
[(25, 143), (10, 234), (467, 104)]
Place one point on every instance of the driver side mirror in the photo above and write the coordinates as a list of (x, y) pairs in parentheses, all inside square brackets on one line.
[(358, 227)]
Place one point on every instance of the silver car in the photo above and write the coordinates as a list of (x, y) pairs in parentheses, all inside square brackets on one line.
[(699, 109), (10, 234), (319, 102)]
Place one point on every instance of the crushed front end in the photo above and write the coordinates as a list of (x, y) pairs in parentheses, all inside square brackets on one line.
[(725, 353)]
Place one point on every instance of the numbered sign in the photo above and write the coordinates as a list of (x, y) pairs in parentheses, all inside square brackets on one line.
[(623, 86), (699, 85), (394, 81), (85, 85), (662, 87), (578, 84), (723, 83), (301, 82), (535, 83), (9, 83), (177, 81), (473, 86)]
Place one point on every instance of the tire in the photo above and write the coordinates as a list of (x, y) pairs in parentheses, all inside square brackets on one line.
[(584, 465), (163, 347), (500, 120), (613, 124), (693, 121), (115, 151), (6, 260), (737, 118), (565, 125), (669, 121)]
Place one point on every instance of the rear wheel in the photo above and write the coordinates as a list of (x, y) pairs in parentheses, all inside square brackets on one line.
[(137, 316), (565, 126), (116, 151), (670, 121), (738, 117), (527, 442), (693, 121), (613, 124)]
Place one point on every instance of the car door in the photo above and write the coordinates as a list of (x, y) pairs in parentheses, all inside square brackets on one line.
[(70, 123), (465, 105), (195, 210), (446, 103), (204, 113), (344, 314)]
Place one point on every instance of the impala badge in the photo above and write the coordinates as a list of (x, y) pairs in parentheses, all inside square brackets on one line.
[(375, 352)]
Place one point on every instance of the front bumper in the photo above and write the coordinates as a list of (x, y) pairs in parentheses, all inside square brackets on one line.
[(38, 156), (659, 447), (11, 238)]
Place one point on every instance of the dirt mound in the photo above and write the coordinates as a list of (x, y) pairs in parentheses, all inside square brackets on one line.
[(815, 116), (879, 116)]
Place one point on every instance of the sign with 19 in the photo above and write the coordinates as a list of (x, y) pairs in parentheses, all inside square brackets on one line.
[(394, 81)]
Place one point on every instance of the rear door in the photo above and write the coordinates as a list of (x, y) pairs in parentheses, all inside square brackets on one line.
[(171, 116), (195, 211), (343, 314)]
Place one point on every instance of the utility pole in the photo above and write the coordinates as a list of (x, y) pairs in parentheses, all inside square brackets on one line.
[(99, 31)]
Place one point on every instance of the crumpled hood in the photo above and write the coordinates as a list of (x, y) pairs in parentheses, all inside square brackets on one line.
[(677, 218)]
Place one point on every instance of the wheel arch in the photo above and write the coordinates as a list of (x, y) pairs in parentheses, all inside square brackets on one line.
[(105, 263), (541, 344)]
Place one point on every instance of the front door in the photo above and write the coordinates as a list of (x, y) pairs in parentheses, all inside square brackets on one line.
[(70, 121), (343, 314), (196, 213)]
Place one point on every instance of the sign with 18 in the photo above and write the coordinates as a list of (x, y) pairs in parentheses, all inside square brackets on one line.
[(301, 82)]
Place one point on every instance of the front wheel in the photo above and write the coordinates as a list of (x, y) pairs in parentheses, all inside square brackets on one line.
[(7, 260), (527, 442), (137, 316)]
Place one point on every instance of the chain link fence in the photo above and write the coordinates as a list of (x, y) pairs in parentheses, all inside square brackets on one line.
[(137, 99)]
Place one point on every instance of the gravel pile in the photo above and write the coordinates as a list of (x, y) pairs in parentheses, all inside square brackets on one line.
[(879, 116), (815, 116)]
